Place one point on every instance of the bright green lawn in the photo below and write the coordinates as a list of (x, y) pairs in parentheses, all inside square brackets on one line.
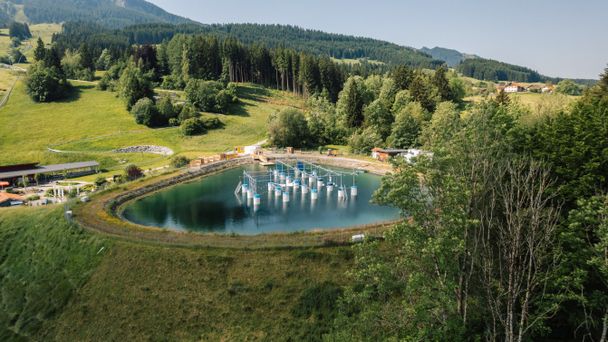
[(92, 123)]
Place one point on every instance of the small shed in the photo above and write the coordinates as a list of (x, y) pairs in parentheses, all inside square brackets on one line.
[(384, 154)]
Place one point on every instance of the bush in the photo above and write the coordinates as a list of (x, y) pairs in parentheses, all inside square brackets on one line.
[(363, 141), (166, 109), (289, 128), (210, 96), (179, 161), (212, 123), (172, 82), (100, 181), (33, 198), (193, 126), (187, 112), (45, 84), (568, 87), (173, 122), (132, 172), (145, 113), (17, 57)]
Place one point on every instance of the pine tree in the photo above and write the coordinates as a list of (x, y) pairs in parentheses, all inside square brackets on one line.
[(351, 102), (440, 81), (403, 77), (40, 51)]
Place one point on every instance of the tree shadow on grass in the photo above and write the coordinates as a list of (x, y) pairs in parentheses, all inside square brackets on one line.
[(74, 92), (259, 94), (238, 109)]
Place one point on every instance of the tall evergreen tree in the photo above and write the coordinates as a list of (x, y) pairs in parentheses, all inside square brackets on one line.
[(40, 51), (440, 81), (351, 102)]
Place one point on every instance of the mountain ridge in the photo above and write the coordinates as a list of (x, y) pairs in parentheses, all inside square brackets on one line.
[(115, 14), (110, 13)]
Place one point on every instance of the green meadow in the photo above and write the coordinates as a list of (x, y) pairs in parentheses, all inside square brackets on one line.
[(62, 283), (90, 124)]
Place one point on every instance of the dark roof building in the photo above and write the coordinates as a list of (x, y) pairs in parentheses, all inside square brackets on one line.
[(12, 172)]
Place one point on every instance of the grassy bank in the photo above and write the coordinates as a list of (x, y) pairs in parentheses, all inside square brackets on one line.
[(142, 292), (57, 285), (43, 262)]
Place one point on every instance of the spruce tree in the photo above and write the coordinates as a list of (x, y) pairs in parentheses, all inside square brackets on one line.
[(40, 51)]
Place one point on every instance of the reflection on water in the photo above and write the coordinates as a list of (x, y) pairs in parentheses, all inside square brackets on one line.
[(210, 205)]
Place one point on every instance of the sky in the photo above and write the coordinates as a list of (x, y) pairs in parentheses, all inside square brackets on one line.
[(559, 38)]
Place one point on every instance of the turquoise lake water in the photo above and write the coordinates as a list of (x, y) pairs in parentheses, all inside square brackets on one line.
[(210, 205)]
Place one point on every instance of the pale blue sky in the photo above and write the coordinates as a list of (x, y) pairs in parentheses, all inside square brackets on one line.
[(566, 38)]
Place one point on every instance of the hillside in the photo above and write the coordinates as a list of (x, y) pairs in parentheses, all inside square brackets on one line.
[(322, 43), (450, 56), (61, 283), (110, 13), (91, 123)]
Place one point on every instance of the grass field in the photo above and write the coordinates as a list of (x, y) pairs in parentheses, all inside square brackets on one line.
[(351, 61), (43, 262), (92, 123), (539, 105), (76, 291), (44, 31)]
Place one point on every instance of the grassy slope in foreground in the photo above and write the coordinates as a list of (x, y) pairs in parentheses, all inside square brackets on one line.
[(56, 286), (43, 261), (94, 122)]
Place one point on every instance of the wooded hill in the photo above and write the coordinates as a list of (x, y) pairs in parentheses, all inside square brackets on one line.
[(110, 13), (145, 23)]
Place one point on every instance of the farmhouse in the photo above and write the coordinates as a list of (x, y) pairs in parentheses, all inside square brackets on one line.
[(15, 173), (514, 88), (548, 89)]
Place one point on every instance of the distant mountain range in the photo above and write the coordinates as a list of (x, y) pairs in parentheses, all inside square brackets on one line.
[(115, 14)]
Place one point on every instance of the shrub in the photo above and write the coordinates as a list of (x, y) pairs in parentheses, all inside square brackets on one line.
[(363, 141), (187, 112), (289, 128), (210, 96), (212, 123), (100, 181), (173, 122), (166, 109), (179, 161), (145, 113), (132, 172), (45, 84), (193, 126)]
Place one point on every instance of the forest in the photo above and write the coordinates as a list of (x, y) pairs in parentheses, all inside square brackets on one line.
[(506, 235), (271, 36), (487, 69), (105, 12)]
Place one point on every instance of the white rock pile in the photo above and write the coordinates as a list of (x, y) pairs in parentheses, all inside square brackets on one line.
[(162, 150)]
